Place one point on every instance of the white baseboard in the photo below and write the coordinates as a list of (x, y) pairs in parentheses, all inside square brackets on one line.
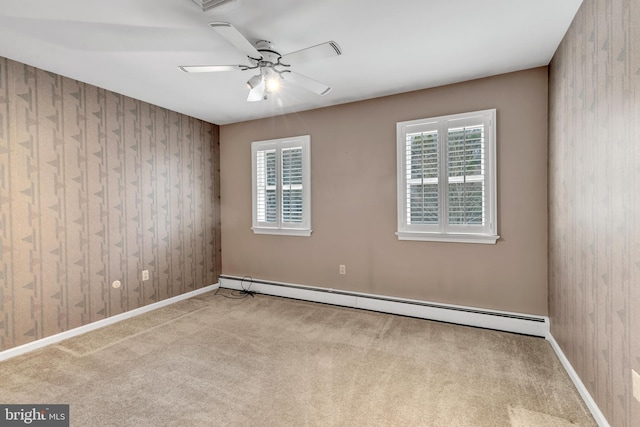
[(25, 348), (584, 393), (469, 316)]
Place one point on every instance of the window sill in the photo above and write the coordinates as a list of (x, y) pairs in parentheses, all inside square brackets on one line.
[(282, 231), (489, 239)]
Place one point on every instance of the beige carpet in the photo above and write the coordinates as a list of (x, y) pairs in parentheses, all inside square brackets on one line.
[(269, 361)]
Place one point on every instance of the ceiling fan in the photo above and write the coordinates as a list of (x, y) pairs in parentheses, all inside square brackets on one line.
[(264, 59)]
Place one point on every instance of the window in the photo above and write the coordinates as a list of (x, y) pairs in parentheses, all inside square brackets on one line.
[(281, 186), (447, 178)]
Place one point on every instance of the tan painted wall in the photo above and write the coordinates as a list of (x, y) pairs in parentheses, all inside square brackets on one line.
[(96, 187), (594, 202), (353, 162)]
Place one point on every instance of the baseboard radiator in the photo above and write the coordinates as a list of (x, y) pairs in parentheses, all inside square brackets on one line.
[(489, 319)]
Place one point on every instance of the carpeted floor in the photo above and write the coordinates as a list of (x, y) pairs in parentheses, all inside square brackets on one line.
[(268, 361)]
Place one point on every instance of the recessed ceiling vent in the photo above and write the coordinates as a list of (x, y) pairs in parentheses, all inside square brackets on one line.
[(210, 4)]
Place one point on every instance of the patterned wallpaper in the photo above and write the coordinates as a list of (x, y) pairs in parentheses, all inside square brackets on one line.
[(594, 202), (96, 187)]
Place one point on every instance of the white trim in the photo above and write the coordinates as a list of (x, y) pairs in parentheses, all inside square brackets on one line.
[(282, 231), (53, 339), (469, 316), (488, 239), (584, 393)]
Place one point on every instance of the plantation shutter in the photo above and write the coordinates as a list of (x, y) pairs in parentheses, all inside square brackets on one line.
[(447, 178), (292, 200), (466, 175), (281, 177), (422, 177), (266, 197)]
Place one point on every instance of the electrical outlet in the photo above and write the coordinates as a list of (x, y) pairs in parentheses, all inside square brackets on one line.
[(145, 275), (343, 269), (635, 379)]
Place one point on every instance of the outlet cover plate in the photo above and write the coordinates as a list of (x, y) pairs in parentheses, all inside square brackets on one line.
[(635, 379)]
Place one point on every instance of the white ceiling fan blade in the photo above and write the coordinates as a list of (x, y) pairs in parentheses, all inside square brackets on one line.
[(234, 37), (306, 83), (210, 68), (319, 51)]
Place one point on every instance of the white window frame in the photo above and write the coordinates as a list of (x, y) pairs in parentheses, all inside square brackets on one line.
[(442, 231), (280, 227)]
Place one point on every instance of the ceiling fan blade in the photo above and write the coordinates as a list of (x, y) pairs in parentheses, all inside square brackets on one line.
[(234, 37), (306, 83), (319, 51), (210, 68)]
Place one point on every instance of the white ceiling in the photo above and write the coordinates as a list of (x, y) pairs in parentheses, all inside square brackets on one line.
[(134, 47)]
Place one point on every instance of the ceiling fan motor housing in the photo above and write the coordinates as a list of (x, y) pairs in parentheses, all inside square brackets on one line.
[(267, 51)]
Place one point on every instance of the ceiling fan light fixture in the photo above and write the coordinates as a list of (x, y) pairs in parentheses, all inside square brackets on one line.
[(272, 84), (254, 81), (257, 88), (272, 79)]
